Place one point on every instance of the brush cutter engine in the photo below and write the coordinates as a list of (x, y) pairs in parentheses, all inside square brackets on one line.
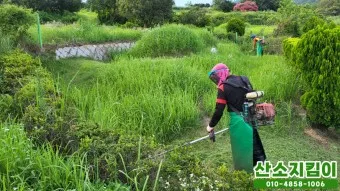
[(258, 114)]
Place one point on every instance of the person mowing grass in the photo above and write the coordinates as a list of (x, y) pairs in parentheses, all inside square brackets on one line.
[(257, 44), (247, 148)]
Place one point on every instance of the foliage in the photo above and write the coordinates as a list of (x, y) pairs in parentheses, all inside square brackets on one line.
[(23, 166), (246, 6), (221, 179), (268, 4), (236, 25), (107, 11), (168, 40), (288, 27), (146, 12), (312, 23), (254, 18), (65, 17), (223, 5), (195, 16), (329, 7), (289, 50), (316, 58), (292, 18), (6, 44), (52, 6), (83, 32), (16, 68), (15, 21)]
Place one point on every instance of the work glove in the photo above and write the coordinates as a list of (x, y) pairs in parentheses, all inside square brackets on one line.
[(211, 133), (209, 128)]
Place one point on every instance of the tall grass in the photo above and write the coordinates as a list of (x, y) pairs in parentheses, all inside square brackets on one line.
[(82, 32), (172, 40), (24, 168), (160, 94), (167, 96)]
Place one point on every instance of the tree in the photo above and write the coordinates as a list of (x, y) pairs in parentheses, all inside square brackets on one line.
[(329, 7), (146, 12), (223, 5), (107, 11), (195, 16), (55, 6), (246, 6), (292, 18), (268, 4), (316, 58), (236, 25)]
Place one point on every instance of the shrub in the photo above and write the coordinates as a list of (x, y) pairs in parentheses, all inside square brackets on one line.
[(312, 23), (292, 18), (15, 21), (168, 40), (246, 6), (6, 43), (223, 5), (218, 19), (289, 45), (317, 59), (68, 17), (195, 16), (288, 27), (236, 25), (15, 69)]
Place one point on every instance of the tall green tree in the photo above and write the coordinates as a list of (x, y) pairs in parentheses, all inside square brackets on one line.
[(329, 7), (223, 5), (146, 12), (268, 4), (55, 6), (107, 11)]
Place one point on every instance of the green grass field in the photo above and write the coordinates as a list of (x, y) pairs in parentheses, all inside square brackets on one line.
[(159, 91), (144, 95), (84, 32)]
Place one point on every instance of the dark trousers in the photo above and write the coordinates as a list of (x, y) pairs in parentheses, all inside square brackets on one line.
[(258, 150)]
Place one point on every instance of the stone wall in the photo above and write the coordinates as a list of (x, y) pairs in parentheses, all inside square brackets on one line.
[(97, 52)]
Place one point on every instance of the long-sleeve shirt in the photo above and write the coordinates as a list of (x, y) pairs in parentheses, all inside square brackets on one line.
[(230, 96)]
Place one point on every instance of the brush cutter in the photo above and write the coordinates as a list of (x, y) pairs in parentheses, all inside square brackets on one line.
[(211, 136)]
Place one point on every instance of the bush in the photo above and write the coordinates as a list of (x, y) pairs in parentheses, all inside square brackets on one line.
[(236, 25), (288, 28), (317, 59), (168, 40), (15, 21), (6, 43), (66, 17), (274, 45), (246, 6), (289, 45), (195, 16), (218, 19), (223, 5), (15, 68), (312, 23)]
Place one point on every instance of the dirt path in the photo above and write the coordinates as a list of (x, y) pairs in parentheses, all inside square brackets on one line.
[(317, 135)]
